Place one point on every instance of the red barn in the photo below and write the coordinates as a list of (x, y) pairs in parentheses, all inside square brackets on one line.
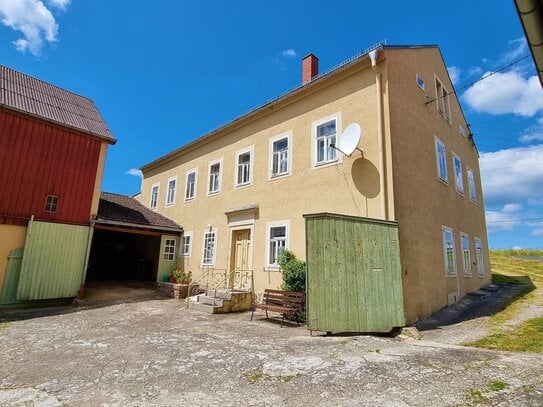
[(53, 145)]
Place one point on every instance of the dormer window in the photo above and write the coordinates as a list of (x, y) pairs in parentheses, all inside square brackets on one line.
[(51, 203)]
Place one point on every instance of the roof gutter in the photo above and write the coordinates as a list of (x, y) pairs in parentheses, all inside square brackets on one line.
[(135, 225), (531, 17)]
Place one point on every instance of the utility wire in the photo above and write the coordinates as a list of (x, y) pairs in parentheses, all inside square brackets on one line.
[(478, 80), (512, 221)]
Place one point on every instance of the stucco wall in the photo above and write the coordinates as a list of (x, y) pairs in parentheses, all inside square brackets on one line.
[(423, 203), (11, 237), (350, 186)]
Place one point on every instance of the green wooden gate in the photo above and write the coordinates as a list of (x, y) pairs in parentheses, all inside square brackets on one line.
[(53, 261), (354, 281), (11, 280)]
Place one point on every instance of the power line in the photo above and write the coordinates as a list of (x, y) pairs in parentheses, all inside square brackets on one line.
[(513, 221), (479, 80)]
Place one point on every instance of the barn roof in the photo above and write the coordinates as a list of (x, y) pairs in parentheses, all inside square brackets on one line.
[(32, 96), (116, 209)]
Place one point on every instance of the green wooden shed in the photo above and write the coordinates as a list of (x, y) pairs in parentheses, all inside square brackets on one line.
[(354, 280)]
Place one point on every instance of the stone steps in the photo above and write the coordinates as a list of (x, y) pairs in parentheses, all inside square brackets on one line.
[(224, 302)]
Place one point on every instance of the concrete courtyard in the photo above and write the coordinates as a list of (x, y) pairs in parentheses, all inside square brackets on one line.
[(154, 352)]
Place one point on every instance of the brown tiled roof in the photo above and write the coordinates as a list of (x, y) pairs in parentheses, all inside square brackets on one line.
[(122, 209), (30, 95)]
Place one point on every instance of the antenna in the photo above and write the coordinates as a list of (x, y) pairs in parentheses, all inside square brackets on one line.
[(349, 140)]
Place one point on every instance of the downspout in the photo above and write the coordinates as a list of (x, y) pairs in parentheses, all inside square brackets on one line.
[(373, 56), (81, 293)]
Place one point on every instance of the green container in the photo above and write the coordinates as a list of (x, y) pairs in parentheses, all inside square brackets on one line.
[(354, 279)]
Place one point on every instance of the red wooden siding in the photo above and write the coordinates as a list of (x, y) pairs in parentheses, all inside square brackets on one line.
[(39, 159)]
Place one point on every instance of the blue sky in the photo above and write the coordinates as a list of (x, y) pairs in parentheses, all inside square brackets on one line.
[(165, 72)]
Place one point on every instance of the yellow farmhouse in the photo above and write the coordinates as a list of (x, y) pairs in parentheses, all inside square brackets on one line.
[(240, 192)]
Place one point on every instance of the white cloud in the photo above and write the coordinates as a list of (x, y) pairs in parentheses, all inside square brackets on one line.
[(517, 248), (498, 221), (511, 208), (290, 53), (537, 232), (475, 70), (454, 73), (504, 93), (34, 20), (135, 172), (512, 175), (534, 132)]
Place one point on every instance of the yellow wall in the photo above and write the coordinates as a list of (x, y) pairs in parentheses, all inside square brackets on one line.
[(423, 203), (11, 237), (350, 186), (98, 182)]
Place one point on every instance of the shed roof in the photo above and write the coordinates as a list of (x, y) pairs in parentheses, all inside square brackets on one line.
[(124, 210), (32, 96)]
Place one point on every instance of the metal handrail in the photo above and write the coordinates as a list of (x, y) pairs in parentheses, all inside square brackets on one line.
[(221, 280)]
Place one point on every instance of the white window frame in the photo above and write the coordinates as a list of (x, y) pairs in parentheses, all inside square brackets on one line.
[(155, 206), (472, 187), (273, 140), (458, 178), (444, 179), (207, 232), (218, 161), (448, 272), (166, 254), (466, 253), (420, 82), (251, 151), (269, 226), (193, 197), (172, 202), (182, 245), (51, 203), (442, 103), (462, 130), (314, 145), (478, 244)]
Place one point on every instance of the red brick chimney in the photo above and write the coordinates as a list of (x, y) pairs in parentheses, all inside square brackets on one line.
[(310, 68)]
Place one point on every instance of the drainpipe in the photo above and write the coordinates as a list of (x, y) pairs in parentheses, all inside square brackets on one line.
[(81, 293), (373, 56)]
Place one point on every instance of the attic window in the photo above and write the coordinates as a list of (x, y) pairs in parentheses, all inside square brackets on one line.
[(51, 203), (421, 83), (462, 131)]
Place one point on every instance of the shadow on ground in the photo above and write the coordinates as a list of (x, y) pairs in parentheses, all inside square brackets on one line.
[(97, 295), (482, 303)]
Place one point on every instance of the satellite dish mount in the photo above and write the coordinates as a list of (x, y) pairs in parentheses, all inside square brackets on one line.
[(349, 140)]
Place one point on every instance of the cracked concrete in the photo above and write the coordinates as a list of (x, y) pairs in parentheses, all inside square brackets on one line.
[(157, 353)]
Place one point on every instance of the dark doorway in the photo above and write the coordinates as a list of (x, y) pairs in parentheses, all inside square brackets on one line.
[(119, 256)]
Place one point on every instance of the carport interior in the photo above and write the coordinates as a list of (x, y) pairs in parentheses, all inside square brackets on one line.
[(123, 256)]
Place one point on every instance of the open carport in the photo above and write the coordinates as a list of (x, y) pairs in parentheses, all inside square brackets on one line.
[(128, 243)]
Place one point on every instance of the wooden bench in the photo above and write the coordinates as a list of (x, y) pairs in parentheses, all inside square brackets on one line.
[(290, 303)]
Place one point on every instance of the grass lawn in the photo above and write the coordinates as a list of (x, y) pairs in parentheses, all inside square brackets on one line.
[(506, 333)]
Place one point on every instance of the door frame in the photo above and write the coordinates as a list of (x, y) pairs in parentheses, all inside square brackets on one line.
[(233, 227)]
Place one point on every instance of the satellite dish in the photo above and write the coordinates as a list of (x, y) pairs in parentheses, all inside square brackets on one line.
[(349, 140)]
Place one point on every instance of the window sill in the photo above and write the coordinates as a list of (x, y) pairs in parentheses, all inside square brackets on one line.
[(240, 186), (189, 200), (325, 164), (278, 176), (213, 193)]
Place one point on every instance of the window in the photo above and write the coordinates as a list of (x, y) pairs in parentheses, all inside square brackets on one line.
[(170, 196), (277, 238), (154, 196), (244, 173), (190, 185), (169, 250), (441, 158), (449, 251), (51, 203), (466, 258), (458, 175), (480, 258), (186, 244), (279, 156), (326, 134), (442, 96), (210, 244), (462, 131), (471, 185), (421, 83), (214, 186)]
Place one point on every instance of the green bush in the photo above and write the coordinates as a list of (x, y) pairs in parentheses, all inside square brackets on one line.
[(293, 271)]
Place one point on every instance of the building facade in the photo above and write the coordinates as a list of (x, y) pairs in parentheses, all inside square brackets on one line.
[(240, 192), (53, 145)]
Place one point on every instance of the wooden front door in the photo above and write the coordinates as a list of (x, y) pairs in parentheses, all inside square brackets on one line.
[(239, 258)]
